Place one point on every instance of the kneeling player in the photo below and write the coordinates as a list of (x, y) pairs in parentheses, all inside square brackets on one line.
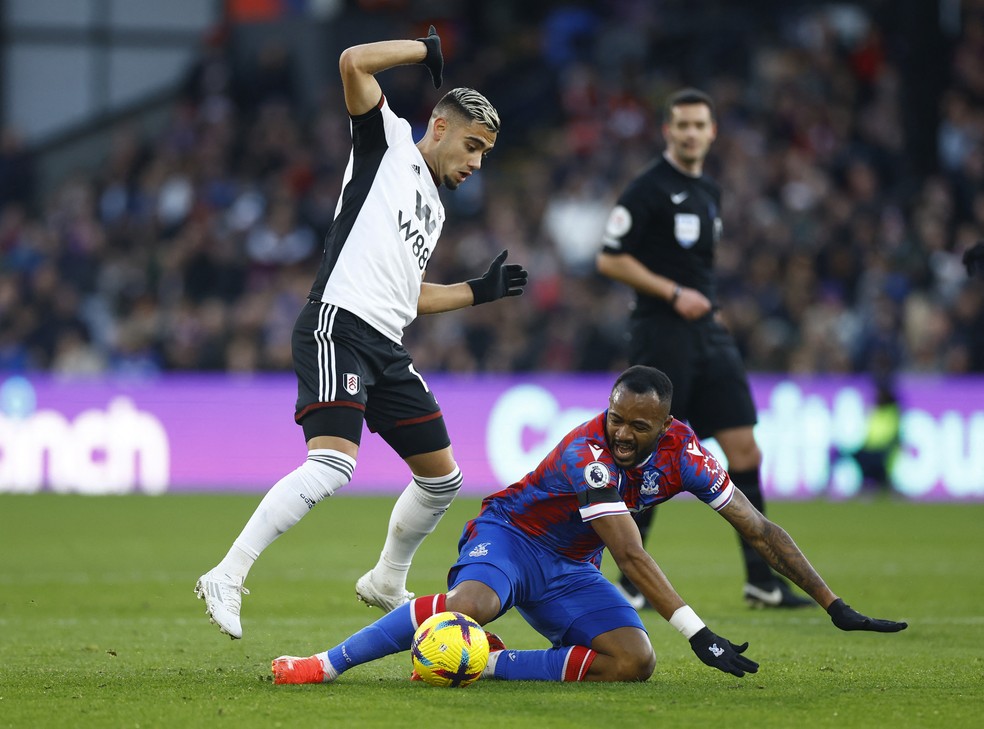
[(537, 546)]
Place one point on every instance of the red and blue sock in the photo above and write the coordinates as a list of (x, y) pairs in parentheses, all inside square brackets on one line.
[(554, 664), (392, 633)]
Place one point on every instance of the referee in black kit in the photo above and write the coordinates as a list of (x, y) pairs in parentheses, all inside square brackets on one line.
[(660, 240)]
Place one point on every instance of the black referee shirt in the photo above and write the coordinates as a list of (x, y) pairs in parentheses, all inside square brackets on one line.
[(670, 222)]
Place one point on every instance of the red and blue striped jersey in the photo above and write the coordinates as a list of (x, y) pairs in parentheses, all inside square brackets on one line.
[(579, 481)]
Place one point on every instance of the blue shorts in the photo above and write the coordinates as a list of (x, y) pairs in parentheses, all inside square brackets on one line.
[(567, 602)]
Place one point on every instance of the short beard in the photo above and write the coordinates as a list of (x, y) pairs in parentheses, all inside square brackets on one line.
[(450, 183)]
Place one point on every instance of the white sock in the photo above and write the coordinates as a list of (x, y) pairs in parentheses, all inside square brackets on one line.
[(322, 474), (416, 514), (331, 673), (489, 670)]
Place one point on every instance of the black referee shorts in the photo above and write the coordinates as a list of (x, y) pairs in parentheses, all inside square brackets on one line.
[(710, 385), (348, 372)]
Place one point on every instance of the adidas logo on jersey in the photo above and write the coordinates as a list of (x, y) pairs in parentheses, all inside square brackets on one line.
[(416, 168)]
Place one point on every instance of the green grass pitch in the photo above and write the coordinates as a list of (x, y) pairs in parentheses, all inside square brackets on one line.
[(99, 626)]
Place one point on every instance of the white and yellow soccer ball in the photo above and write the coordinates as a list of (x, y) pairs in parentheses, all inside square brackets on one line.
[(449, 649)]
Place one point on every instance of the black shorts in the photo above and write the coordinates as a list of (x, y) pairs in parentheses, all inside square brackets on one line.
[(710, 386), (348, 372)]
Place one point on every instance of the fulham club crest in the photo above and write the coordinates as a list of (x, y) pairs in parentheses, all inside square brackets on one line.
[(351, 383)]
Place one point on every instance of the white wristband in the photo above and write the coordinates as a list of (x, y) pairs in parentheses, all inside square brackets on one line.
[(686, 621)]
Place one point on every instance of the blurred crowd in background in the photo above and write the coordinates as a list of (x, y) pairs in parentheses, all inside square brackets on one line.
[(848, 197)]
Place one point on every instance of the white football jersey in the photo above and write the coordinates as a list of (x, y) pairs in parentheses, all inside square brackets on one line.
[(387, 224)]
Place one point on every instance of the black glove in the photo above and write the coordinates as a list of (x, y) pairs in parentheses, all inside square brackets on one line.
[(846, 618), (721, 653), (434, 60), (498, 281), (973, 260)]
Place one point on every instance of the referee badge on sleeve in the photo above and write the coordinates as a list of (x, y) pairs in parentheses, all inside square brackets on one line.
[(686, 228), (618, 224), (352, 383)]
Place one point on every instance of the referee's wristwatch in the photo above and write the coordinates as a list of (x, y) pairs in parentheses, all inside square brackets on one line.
[(676, 294)]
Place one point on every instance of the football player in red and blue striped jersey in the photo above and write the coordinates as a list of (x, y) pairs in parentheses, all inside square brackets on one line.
[(537, 546)]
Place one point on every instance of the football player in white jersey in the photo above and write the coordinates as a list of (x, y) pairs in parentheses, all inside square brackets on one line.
[(350, 363)]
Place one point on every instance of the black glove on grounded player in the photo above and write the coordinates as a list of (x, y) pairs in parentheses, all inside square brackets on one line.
[(721, 653), (434, 60), (498, 281), (846, 618)]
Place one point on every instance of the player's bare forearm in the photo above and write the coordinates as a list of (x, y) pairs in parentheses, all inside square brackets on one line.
[(647, 576), (782, 554), (621, 537), (777, 547), (358, 65), (438, 298)]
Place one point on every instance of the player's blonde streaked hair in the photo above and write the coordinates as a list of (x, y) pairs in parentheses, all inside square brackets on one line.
[(469, 104)]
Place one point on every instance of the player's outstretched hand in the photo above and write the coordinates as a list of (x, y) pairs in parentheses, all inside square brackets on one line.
[(847, 618), (434, 60), (500, 280), (721, 653)]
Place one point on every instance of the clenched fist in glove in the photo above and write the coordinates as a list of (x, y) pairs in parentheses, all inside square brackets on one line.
[(721, 653), (500, 280), (847, 618), (434, 60)]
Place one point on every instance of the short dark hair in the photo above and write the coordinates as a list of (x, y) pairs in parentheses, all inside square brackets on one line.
[(684, 97), (641, 379)]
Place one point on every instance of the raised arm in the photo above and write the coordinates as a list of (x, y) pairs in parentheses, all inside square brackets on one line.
[(358, 65)]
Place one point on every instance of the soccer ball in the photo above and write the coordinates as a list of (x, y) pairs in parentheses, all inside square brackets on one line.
[(449, 649)]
